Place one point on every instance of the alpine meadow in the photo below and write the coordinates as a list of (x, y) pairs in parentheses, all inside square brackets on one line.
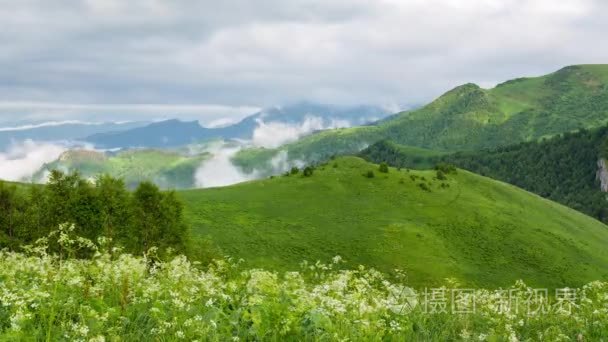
[(304, 171)]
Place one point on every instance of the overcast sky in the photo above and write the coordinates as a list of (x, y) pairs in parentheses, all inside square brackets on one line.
[(118, 59)]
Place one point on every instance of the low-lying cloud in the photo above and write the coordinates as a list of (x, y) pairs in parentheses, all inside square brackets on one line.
[(26, 127), (219, 170), (22, 160), (274, 134)]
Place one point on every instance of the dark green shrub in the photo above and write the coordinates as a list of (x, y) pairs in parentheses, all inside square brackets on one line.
[(308, 171), (383, 168), (424, 187), (445, 168)]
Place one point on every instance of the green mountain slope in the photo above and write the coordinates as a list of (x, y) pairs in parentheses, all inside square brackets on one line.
[(168, 169), (469, 117), (563, 169), (472, 228)]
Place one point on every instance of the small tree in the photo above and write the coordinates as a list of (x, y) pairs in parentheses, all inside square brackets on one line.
[(114, 208), (370, 174), (295, 170), (158, 219)]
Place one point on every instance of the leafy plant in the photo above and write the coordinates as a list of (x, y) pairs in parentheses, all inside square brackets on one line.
[(383, 167)]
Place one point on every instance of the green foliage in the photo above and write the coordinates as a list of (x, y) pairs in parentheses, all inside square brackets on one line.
[(370, 174), (294, 170), (475, 229), (424, 187), (137, 221), (159, 219), (383, 167), (445, 168), (12, 208), (308, 171)]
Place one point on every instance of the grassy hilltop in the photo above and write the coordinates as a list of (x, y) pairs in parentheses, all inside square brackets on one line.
[(480, 231), (166, 168)]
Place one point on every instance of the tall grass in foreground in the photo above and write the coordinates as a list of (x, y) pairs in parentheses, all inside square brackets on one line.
[(119, 297)]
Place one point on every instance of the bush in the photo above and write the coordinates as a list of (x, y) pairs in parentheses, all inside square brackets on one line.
[(370, 174), (295, 170), (424, 187), (383, 168), (308, 171), (445, 168), (441, 175)]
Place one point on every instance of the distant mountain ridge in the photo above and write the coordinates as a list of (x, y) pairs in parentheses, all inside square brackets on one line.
[(172, 133), (471, 118), (52, 131)]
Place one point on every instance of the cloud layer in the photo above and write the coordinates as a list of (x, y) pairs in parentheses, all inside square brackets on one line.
[(219, 170), (22, 160), (240, 53), (274, 134)]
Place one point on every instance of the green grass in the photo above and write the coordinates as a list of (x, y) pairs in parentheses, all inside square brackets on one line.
[(477, 230), (562, 168)]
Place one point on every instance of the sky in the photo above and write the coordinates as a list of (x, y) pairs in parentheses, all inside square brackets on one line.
[(108, 60)]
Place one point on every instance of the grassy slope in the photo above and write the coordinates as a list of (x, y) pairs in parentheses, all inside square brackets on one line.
[(469, 117), (480, 231), (562, 169), (166, 168)]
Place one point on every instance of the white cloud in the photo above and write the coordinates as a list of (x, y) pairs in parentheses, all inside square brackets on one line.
[(221, 122), (219, 170), (49, 124), (22, 160), (274, 134), (281, 163)]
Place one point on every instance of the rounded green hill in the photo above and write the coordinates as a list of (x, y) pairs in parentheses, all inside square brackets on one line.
[(477, 230)]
